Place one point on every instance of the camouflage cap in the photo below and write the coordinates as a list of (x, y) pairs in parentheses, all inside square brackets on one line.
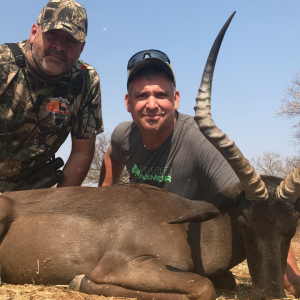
[(67, 15)]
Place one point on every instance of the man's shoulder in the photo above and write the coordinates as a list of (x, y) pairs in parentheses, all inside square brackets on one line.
[(80, 65), (124, 129), (123, 135), (6, 56), (125, 124), (188, 133), (81, 70), (8, 67), (187, 120), (187, 125)]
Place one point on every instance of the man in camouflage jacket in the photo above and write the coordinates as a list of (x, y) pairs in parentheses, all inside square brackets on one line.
[(63, 90)]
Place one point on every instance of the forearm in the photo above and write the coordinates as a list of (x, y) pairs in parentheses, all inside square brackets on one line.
[(111, 170), (106, 176), (76, 169), (79, 162)]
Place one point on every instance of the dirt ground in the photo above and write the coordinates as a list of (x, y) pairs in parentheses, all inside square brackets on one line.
[(38, 292)]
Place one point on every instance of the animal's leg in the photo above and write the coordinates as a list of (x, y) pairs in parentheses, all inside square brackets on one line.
[(147, 280), (224, 281), (5, 213)]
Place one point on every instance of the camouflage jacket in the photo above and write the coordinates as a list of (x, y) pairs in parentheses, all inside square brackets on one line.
[(72, 104)]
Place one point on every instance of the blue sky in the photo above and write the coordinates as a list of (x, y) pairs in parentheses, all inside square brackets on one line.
[(257, 61)]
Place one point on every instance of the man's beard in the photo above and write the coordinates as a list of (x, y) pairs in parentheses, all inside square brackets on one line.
[(51, 68)]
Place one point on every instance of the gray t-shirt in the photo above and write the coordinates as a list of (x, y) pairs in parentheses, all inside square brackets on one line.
[(186, 163)]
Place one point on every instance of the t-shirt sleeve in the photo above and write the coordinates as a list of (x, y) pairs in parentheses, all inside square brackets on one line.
[(119, 142), (89, 120)]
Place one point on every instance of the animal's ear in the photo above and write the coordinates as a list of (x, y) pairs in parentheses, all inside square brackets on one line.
[(227, 198), (212, 206), (203, 212)]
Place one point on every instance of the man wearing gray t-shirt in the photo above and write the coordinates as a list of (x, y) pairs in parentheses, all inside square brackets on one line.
[(162, 147), (185, 163), (165, 148)]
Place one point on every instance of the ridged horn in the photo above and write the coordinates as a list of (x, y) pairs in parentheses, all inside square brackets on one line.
[(289, 188), (252, 184)]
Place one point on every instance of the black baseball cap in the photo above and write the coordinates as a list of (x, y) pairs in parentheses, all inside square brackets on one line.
[(146, 58)]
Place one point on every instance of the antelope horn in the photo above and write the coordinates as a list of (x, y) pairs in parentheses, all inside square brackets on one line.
[(289, 188), (251, 182)]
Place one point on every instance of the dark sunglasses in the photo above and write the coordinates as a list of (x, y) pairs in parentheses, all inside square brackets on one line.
[(136, 58)]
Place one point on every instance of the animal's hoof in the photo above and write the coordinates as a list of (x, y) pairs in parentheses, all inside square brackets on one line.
[(76, 282)]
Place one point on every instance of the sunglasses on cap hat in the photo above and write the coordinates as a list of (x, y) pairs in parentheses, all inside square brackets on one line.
[(136, 58)]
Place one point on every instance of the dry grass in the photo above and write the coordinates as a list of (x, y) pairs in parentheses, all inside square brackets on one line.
[(37, 292), (40, 292)]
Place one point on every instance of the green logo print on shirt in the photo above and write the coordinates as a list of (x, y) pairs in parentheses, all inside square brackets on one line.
[(153, 173)]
